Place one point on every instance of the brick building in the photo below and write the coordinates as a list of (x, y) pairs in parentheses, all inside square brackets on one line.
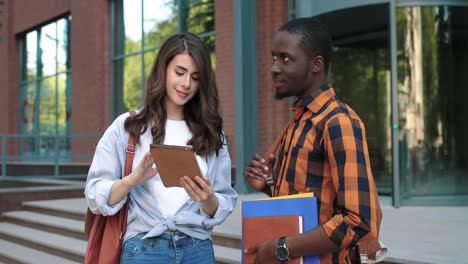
[(68, 68)]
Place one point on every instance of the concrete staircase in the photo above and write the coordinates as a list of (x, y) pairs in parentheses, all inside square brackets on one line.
[(52, 232)]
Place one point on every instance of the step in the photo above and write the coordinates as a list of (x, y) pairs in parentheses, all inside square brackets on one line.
[(15, 253), (45, 222), (226, 239), (76, 209), (227, 255), (71, 208), (66, 247)]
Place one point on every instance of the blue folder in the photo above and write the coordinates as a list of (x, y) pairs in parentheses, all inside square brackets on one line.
[(304, 206)]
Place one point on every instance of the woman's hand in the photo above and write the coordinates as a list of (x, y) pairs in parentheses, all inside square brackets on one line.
[(199, 189), (143, 172)]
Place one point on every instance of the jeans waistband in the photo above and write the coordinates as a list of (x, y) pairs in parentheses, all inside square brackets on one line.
[(166, 238)]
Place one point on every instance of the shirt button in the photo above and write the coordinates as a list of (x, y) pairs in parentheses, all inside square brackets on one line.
[(176, 238)]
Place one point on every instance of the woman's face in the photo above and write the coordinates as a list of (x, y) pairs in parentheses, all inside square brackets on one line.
[(182, 80)]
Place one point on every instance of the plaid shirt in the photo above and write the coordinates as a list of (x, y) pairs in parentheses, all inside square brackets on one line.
[(324, 151)]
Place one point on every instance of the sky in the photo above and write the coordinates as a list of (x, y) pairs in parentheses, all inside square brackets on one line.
[(154, 11)]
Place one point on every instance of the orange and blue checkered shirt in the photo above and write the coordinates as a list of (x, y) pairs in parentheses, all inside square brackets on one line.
[(324, 151)]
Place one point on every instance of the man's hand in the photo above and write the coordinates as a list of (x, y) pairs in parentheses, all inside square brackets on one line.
[(257, 170), (265, 252)]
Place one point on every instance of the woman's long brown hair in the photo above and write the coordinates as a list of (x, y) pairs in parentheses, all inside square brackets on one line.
[(201, 113)]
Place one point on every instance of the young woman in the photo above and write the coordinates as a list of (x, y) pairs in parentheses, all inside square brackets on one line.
[(181, 107)]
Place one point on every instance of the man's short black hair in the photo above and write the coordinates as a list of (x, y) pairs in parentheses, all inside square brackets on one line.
[(315, 37)]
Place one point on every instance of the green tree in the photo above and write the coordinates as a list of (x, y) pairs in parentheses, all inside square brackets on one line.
[(200, 20)]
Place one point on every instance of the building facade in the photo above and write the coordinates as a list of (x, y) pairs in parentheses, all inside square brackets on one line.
[(68, 68)]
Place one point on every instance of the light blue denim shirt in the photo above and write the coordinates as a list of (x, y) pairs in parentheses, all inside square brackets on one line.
[(144, 214)]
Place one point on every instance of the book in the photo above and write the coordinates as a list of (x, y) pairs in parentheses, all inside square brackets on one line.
[(256, 230), (304, 205)]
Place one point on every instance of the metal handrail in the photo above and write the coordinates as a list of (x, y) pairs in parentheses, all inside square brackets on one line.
[(57, 157)]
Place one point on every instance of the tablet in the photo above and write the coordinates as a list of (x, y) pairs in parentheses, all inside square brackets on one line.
[(174, 162)]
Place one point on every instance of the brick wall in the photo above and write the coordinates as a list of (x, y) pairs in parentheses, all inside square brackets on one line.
[(224, 23), (272, 114), (90, 63)]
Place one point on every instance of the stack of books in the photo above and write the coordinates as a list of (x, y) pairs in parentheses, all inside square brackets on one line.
[(271, 218)]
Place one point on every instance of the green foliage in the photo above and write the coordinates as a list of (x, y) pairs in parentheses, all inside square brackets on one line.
[(49, 87), (132, 83), (160, 32), (200, 20), (430, 50)]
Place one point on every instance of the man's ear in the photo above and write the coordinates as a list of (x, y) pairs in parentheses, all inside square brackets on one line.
[(317, 63)]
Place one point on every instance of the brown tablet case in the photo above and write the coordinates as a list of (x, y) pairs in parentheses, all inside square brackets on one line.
[(174, 162)]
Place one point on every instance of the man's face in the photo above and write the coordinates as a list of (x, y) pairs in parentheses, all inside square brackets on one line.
[(291, 67)]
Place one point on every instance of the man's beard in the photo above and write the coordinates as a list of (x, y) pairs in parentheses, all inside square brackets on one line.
[(280, 96)]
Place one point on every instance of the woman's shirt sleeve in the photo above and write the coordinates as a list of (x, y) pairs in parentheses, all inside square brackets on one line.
[(221, 182), (105, 170)]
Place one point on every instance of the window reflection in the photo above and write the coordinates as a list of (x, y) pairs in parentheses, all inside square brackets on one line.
[(201, 21), (49, 47), (432, 80), (45, 90), (159, 21), (360, 74), (150, 56), (132, 82), (131, 26), (62, 46), (200, 16), (140, 27), (30, 52), (366, 88)]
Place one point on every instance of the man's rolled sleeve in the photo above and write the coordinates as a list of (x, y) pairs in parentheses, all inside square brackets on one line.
[(348, 156)]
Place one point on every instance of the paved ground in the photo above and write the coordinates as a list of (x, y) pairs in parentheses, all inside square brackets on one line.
[(426, 234), (412, 234)]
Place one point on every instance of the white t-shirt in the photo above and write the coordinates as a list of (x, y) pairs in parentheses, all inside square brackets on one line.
[(172, 198)]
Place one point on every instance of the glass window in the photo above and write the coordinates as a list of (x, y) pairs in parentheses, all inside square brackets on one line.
[(150, 56), (200, 20), (132, 26), (49, 47), (140, 28), (132, 82), (30, 54), (44, 89), (159, 21), (360, 74), (432, 96)]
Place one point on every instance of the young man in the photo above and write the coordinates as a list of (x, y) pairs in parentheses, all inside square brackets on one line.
[(324, 151)]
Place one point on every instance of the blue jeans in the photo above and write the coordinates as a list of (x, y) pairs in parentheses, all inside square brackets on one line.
[(167, 248)]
